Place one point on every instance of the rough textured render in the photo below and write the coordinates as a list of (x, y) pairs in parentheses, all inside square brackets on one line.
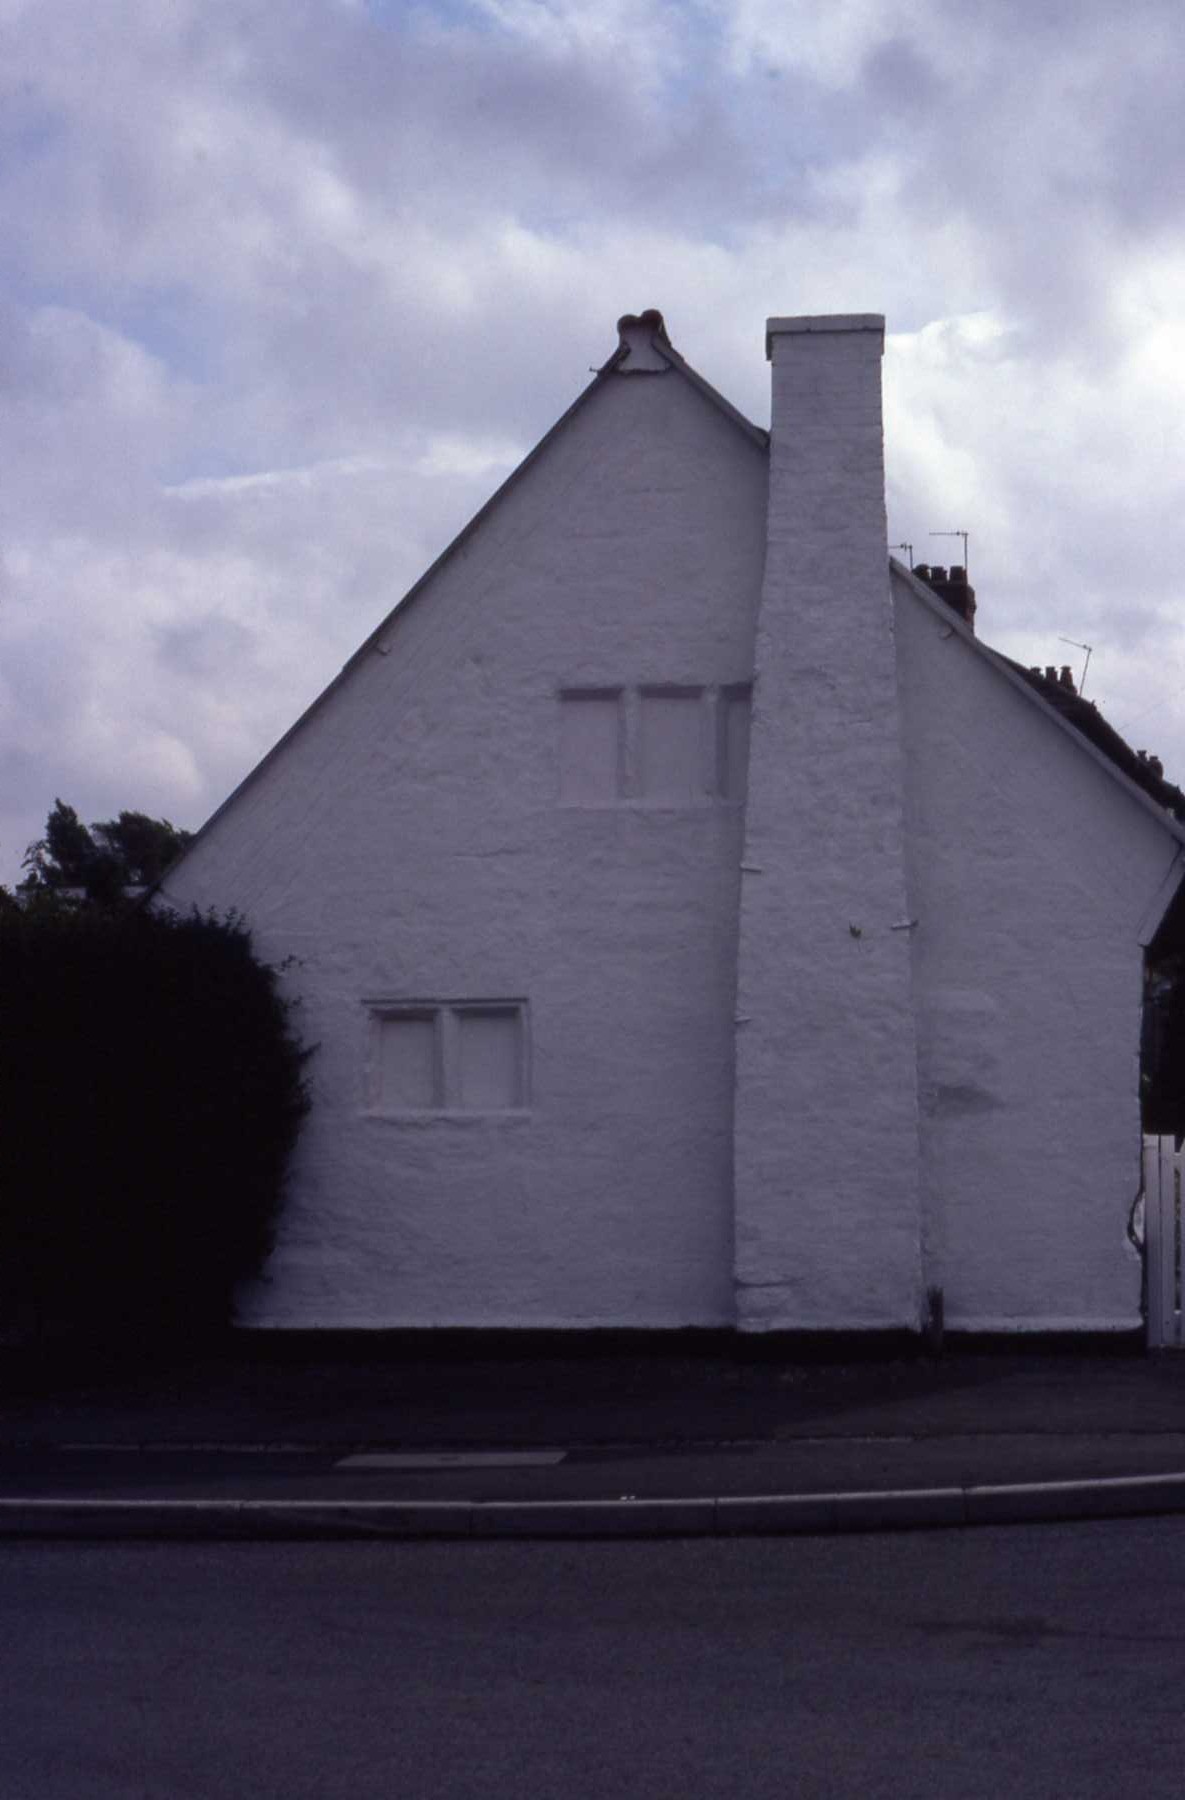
[(1036, 873), (518, 796), (827, 1219), (696, 923)]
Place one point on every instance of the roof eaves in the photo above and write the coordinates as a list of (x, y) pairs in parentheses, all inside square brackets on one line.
[(1011, 674)]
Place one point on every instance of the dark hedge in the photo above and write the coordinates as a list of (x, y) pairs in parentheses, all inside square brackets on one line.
[(151, 1091)]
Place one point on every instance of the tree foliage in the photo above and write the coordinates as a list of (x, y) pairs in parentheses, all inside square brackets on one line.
[(104, 860), (151, 1091)]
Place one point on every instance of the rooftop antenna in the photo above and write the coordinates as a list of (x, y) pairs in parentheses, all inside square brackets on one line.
[(908, 547), (959, 534), (1088, 648)]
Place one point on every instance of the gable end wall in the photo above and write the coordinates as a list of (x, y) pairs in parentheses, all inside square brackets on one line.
[(410, 844), (1032, 873)]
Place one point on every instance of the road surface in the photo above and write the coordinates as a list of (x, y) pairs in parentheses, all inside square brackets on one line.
[(1044, 1662)]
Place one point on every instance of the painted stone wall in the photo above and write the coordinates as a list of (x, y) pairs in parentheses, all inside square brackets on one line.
[(1033, 876), (504, 853)]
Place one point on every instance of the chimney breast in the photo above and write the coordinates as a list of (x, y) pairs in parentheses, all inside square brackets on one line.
[(819, 921)]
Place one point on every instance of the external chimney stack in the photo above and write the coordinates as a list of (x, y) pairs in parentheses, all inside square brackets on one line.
[(826, 1047)]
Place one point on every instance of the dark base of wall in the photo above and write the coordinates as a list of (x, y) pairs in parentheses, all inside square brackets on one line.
[(805, 1347), (115, 1353)]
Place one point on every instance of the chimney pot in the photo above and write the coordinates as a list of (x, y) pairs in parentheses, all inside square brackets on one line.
[(1066, 678), (953, 588)]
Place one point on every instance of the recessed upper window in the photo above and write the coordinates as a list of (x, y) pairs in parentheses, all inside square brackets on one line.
[(665, 746), (590, 745), (734, 706), (448, 1057), (672, 761)]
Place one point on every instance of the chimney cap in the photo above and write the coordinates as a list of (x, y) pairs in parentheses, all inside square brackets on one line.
[(823, 323)]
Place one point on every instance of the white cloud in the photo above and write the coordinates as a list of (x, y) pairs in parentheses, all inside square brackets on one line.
[(829, 43)]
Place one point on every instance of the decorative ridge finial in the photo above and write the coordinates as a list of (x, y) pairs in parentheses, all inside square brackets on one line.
[(651, 320)]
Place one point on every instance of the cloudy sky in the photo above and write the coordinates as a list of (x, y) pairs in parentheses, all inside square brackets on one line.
[(287, 288)]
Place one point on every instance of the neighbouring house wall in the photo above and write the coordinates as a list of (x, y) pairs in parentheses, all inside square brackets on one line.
[(827, 1221), (1032, 873), (446, 828)]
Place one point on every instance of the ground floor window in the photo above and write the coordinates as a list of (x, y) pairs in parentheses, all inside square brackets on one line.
[(466, 1056)]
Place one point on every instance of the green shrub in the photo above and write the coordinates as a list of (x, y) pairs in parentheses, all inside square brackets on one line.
[(151, 1091)]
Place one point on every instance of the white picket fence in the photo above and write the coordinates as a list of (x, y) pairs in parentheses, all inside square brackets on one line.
[(1163, 1165)]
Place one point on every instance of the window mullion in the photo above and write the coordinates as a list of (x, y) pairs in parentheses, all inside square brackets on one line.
[(629, 784), (447, 1060)]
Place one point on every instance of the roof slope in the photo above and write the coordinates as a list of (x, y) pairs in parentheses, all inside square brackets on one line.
[(642, 339)]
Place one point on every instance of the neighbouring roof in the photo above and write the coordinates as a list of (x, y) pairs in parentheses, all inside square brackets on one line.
[(1081, 717), (1146, 771)]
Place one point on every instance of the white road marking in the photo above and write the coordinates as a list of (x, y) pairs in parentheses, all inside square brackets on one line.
[(452, 1459)]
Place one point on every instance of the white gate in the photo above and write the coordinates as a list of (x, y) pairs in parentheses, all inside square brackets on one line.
[(1163, 1164)]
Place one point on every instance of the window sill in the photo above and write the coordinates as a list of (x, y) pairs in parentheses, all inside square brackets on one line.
[(639, 803), (442, 1115)]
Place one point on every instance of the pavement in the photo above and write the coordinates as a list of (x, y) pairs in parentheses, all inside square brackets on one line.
[(257, 1440)]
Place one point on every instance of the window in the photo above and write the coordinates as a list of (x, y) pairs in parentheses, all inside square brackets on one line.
[(733, 710), (408, 1073), (489, 1061), (666, 746), (448, 1057), (590, 746), (672, 764)]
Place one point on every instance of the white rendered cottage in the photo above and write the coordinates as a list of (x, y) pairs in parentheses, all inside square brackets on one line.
[(698, 924)]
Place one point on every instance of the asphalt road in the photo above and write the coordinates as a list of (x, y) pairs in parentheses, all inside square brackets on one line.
[(1045, 1661), (796, 1466)]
